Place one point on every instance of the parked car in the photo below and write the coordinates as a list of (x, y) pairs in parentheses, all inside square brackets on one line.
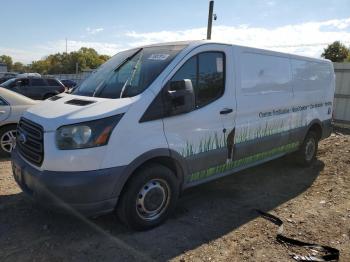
[(28, 75), (68, 83), (35, 87), (12, 106), (7, 76), (155, 120)]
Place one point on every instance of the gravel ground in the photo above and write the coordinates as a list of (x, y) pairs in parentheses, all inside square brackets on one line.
[(213, 222)]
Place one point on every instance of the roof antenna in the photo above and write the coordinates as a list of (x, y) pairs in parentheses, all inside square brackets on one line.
[(211, 16)]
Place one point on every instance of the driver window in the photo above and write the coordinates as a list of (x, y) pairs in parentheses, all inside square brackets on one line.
[(207, 73), (187, 71)]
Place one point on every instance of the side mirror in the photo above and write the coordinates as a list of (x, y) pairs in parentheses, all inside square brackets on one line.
[(182, 98)]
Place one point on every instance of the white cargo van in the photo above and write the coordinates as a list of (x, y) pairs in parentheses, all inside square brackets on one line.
[(155, 120)]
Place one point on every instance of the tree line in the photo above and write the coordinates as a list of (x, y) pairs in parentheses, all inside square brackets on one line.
[(88, 58), (59, 63)]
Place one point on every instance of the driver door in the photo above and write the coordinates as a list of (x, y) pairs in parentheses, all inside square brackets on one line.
[(201, 135)]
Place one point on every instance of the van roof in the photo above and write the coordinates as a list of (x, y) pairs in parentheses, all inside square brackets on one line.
[(195, 43)]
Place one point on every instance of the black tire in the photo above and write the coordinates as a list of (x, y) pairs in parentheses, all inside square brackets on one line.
[(157, 179), (4, 137), (306, 154)]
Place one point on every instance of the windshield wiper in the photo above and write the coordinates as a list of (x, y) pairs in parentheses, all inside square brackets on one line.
[(100, 88), (132, 75), (127, 59)]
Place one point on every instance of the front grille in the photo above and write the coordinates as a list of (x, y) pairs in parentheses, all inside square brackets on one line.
[(30, 141)]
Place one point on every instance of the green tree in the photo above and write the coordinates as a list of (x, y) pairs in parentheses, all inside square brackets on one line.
[(19, 67), (336, 52), (40, 66), (348, 59), (7, 60), (59, 63), (62, 63)]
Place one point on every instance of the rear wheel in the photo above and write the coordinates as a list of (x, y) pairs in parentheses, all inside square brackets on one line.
[(149, 197), (308, 150), (7, 140)]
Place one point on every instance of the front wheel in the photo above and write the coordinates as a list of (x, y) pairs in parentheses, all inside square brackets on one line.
[(149, 197), (308, 150)]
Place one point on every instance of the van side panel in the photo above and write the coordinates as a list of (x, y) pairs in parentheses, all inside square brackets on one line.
[(313, 87), (263, 92), (264, 96), (279, 97)]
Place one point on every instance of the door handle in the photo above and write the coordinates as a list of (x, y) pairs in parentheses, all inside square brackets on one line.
[(226, 111), (2, 112)]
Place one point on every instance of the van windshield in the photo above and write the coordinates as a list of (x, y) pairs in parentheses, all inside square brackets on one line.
[(128, 73)]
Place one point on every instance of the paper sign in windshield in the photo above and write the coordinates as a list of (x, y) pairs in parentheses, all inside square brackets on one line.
[(158, 56)]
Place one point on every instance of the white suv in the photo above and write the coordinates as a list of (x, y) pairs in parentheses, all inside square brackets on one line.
[(12, 106)]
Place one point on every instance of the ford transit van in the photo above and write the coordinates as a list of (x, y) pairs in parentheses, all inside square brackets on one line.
[(155, 120)]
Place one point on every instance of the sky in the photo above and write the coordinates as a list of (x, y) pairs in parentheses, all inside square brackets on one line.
[(30, 30)]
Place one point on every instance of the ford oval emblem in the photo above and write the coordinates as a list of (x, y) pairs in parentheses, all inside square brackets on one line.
[(22, 138)]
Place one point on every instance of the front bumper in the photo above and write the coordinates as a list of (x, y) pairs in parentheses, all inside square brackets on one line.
[(91, 193)]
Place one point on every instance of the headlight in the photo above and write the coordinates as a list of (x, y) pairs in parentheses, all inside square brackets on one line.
[(87, 134)]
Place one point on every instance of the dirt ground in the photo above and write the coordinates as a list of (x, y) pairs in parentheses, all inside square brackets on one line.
[(213, 222)]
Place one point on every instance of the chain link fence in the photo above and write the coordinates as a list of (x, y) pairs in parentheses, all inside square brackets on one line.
[(342, 93)]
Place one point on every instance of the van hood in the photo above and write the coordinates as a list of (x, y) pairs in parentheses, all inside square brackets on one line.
[(65, 109)]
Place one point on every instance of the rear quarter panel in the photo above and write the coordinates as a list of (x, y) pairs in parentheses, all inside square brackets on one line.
[(313, 87)]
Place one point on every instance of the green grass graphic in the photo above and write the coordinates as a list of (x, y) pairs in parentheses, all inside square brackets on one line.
[(210, 142), (242, 162), (243, 134), (268, 128)]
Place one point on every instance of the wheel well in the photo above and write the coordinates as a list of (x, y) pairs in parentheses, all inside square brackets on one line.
[(163, 160), (7, 125), (317, 129)]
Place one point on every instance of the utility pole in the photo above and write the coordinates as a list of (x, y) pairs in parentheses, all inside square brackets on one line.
[(210, 19), (66, 45)]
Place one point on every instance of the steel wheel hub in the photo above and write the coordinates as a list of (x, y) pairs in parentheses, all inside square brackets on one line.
[(153, 199), (8, 141), (310, 149)]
